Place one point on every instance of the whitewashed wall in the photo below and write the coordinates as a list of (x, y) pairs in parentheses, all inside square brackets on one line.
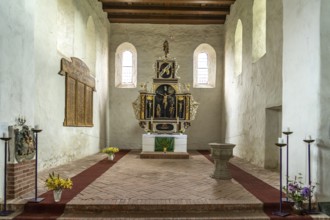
[(17, 75), (60, 144), (322, 159), (148, 40), (29, 81), (258, 87), (306, 92)]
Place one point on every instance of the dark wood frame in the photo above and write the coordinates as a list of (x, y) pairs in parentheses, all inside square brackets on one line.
[(160, 62)]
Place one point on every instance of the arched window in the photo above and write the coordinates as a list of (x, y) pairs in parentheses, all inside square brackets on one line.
[(259, 30), (126, 66), (204, 66), (238, 48)]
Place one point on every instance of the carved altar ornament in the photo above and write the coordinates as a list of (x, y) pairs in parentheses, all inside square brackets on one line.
[(24, 143), (169, 106)]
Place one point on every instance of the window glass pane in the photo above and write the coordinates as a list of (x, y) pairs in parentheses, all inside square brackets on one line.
[(127, 69), (127, 75), (202, 70), (203, 76), (127, 58), (202, 60)]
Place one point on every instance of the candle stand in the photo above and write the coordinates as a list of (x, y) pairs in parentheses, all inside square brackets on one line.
[(310, 211), (36, 199), (281, 212), (287, 133), (4, 211)]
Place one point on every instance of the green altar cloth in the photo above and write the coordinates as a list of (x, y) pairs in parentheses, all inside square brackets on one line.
[(162, 142)]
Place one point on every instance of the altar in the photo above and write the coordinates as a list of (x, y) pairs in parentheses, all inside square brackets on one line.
[(180, 142), (165, 109)]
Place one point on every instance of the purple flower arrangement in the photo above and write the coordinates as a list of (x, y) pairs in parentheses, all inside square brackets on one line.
[(297, 191)]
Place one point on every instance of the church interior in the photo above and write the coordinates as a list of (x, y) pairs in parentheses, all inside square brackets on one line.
[(216, 108)]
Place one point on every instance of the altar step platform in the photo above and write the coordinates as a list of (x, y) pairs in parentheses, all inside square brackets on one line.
[(163, 155), (132, 188)]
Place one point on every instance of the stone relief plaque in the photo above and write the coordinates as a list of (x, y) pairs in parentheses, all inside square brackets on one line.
[(24, 144), (79, 89)]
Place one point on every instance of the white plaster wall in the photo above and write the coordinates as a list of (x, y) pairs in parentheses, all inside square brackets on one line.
[(16, 65), (323, 142), (305, 89), (59, 144), (258, 87), (148, 40)]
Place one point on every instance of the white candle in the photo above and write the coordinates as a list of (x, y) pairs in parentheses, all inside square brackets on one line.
[(5, 134), (288, 129), (280, 140), (36, 127), (308, 137)]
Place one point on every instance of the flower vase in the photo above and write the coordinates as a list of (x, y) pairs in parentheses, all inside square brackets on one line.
[(111, 156), (298, 208), (57, 194)]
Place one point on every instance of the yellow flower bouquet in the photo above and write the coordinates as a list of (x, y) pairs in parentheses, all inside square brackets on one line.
[(110, 150), (55, 182)]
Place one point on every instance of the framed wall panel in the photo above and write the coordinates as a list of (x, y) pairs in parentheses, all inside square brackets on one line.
[(79, 88)]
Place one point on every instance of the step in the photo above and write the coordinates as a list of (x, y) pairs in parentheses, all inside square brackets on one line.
[(163, 155), (221, 215)]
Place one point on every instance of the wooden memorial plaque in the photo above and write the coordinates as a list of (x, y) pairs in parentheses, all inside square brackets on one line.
[(79, 89)]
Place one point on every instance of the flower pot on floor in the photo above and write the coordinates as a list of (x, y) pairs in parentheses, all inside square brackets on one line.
[(57, 195), (111, 156)]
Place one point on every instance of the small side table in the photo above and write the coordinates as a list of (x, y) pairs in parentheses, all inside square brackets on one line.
[(221, 153)]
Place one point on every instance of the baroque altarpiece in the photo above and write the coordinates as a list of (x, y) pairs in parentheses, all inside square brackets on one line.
[(166, 106)]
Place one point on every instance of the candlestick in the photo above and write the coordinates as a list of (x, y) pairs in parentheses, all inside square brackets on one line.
[(280, 140), (287, 133), (36, 199), (280, 212), (5, 212), (309, 140)]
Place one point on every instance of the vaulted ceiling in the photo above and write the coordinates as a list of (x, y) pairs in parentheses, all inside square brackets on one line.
[(167, 11)]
